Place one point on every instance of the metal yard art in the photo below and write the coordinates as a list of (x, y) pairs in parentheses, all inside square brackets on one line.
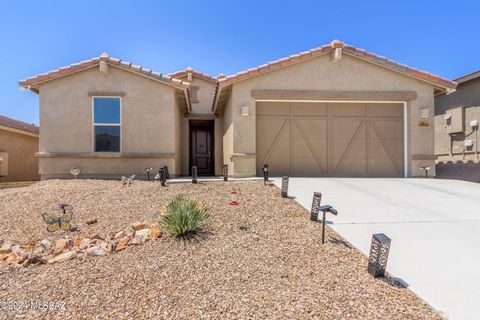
[(126, 182), (75, 172), (59, 221)]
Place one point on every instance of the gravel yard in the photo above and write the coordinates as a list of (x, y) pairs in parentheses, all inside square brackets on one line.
[(261, 259)]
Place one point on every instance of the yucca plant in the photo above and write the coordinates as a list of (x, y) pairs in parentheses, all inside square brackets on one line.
[(183, 216)]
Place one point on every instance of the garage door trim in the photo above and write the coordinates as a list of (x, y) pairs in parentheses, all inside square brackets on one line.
[(405, 119)]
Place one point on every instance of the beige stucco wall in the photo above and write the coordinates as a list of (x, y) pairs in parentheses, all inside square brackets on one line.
[(349, 74), (21, 149), (451, 148), (205, 95), (150, 124)]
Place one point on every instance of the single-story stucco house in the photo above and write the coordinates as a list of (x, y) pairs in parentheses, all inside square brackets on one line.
[(336, 110), (457, 117), (18, 146)]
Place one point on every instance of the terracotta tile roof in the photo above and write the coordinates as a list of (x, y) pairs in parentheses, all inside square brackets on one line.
[(201, 75), (348, 49), (19, 125), (73, 68)]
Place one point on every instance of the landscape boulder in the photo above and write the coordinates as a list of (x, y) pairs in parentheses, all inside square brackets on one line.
[(63, 257)]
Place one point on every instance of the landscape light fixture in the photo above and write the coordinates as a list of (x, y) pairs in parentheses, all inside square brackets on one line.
[(148, 173), (325, 209), (225, 172), (163, 178), (265, 174), (377, 260), (426, 168), (285, 186), (167, 175), (317, 197), (194, 175)]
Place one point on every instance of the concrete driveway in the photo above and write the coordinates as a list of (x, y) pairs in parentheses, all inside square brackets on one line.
[(434, 226)]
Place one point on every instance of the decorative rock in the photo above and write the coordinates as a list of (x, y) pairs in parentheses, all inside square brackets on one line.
[(96, 251), (144, 234), (46, 245), (138, 225), (120, 234), (6, 248), (62, 244), (84, 244), (96, 236), (122, 244), (91, 221), (63, 257), (155, 231), (137, 240), (14, 258), (111, 247)]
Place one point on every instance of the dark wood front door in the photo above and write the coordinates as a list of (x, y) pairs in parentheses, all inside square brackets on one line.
[(201, 147)]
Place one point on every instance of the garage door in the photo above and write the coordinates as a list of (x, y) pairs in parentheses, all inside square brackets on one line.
[(330, 139)]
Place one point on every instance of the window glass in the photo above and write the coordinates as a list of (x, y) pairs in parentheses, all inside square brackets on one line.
[(107, 138), (106, 110)]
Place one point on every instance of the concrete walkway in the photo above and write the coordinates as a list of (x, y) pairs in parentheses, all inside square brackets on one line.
[(434, 226)]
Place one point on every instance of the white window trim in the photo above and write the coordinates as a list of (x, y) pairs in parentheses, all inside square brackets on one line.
[(106, 125)]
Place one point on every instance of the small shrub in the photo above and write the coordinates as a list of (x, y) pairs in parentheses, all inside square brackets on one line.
[(183, 216)]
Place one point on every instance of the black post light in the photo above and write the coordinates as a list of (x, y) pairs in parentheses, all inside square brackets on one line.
[(317, 198), (325, 209), (379, 249), (148, 173), (163, 179), (285, 186), (265, 174), (194, 174), (225, 172), (167, 175), (426, 168)]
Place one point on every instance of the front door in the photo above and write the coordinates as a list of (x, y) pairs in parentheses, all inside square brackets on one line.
[(201, 147)]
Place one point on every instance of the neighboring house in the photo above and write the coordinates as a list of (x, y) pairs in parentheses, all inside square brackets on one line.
[(457, 116), (18, 145), (331, 111)]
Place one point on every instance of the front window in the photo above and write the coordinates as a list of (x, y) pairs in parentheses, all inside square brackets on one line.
[(107, 124)]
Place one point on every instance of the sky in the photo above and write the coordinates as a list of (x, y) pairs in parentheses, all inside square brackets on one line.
[(441, 37)]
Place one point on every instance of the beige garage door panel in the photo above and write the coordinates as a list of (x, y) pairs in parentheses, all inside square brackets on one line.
[(335, 139)]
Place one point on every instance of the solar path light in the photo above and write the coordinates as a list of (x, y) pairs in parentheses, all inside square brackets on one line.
[(163, 178), (285, 186), (426, 168), (167, 175), (379, 249), (265, 174), (225, 172), (194, 174), (148, 173), (325, 209), (317, 197)]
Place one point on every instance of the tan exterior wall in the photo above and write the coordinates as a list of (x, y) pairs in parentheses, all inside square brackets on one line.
[(348, 74), (22, 163), (451, 148), (150, 124), (227, 136), (205, 95)]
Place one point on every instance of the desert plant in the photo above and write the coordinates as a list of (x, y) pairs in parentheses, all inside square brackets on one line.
[(183, 216)]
